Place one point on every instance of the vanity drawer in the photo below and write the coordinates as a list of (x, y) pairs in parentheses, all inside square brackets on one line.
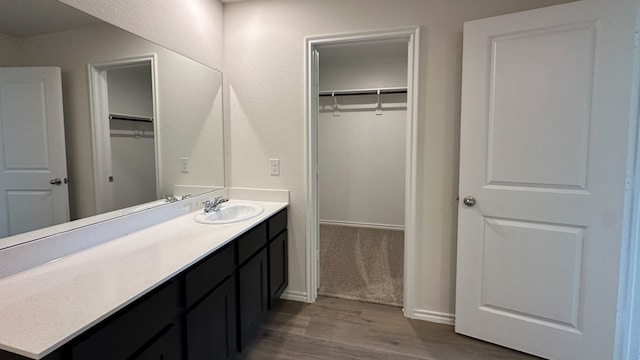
[(251, 242), (116, 340), (166, 347), (277, 223), (206, 275)]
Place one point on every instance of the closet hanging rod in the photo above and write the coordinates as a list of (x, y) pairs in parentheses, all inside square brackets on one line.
[(129, 118), (380, 91)]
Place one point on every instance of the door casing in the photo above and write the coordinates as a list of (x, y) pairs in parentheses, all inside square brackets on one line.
[(101, 141), (412, 36)]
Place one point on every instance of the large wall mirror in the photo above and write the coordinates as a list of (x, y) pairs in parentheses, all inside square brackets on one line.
[(96, 122)]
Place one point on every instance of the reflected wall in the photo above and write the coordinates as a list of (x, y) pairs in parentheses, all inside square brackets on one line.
[(189, 107)]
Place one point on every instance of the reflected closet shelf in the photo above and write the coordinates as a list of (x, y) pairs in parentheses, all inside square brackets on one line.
[(356, 92), (130, 118)]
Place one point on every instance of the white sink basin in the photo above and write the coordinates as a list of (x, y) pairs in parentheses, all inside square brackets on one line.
[(230, 212)]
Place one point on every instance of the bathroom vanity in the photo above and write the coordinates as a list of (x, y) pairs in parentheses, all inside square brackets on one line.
[(176, 290)]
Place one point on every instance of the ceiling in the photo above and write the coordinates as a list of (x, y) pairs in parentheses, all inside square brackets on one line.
[(22, 18)]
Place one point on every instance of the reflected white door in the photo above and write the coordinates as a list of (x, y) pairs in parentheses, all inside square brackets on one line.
[(32, 150), (545, 105)]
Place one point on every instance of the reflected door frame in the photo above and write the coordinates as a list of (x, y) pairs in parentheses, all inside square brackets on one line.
[(101, 141)]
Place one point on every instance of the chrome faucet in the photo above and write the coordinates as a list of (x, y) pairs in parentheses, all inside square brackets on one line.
[(171, 198), (210, 206)]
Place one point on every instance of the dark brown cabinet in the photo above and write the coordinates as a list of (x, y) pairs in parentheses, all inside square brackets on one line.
[(278, 256), (132, 329), (167, 347), (211, 325), (211, 307), (262, 274), (252, 296), (278, 267)]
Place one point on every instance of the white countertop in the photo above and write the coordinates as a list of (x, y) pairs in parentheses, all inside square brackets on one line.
[(44, 307)]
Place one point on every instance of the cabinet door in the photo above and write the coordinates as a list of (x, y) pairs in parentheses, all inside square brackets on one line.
[(253, 296), (209, 273), (167, 347), (278, 271), (130, 329), (211, 325)]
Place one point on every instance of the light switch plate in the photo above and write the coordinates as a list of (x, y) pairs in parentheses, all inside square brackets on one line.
[(184, 165), (274, 167)]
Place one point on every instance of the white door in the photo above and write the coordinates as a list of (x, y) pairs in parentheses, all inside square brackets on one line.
[(33, 168), (545, 112)]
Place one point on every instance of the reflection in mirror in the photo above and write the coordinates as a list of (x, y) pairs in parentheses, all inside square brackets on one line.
[(126, 155), (95, 120)]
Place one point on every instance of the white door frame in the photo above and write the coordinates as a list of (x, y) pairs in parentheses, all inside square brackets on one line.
[(412, 35), (628, 322), (99, 108)]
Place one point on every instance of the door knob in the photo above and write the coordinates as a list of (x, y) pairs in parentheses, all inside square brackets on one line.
[(55, 181), (469, 201)]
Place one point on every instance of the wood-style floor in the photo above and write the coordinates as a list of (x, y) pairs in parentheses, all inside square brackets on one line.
[(340, 329)]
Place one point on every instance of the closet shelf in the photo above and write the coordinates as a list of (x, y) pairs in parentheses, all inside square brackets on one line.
[(354, 92), (130, 118), (136, 134)]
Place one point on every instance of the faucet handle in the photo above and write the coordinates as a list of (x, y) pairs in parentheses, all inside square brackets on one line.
[(208, 206)]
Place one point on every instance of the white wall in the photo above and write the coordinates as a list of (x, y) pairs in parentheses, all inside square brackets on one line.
[(193, 28), (191, 125), (264, 71), (361, 154), (133, 164), (386, 75), (9, 51), (130, 90), (133, 158), (361, 161), (365, 65)]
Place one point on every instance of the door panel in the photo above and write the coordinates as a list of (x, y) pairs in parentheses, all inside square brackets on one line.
[(549, 256), (25, 142), (32, 150), (544, 122), (36, 206), (547, 99)]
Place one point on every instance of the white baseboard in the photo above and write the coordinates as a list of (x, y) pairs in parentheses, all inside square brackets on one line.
[(362, 225), (433, 316), (425, 315), (300, 296)]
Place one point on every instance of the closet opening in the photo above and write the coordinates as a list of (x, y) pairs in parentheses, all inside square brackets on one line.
[(361, 162), (361, 142)]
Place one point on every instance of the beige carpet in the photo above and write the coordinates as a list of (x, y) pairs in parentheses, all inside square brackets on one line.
[(361, 264)]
